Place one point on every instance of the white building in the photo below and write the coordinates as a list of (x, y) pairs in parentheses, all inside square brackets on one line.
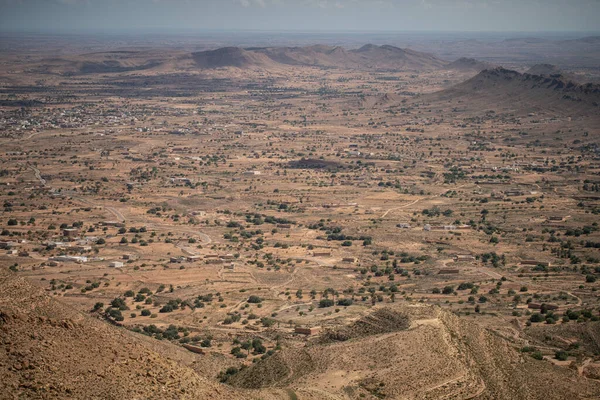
[(76, 259)]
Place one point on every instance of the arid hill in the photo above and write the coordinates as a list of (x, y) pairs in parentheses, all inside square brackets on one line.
[(51, 351), (432, 355), (317, 55), (555, 72), (118, 61), (469, 64), (230, 57), (390, 57), (367, 57), (544, 69), (109, 62), (510, 90), (586, 335)]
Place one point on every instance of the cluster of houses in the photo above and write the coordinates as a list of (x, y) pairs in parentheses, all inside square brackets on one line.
[(74, 242), (12, 247), (74, 118), (64, 258), (81, 246)]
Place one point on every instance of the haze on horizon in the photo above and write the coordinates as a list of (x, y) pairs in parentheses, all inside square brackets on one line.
[(138, 16)]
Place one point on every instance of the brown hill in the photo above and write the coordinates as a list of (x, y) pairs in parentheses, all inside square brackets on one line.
[(469, 64), (51, 351), (230, 57), (367, 57), (506, 89), (395, 58), (555, 72), (585, 334), (314, 56), (437, 356), (102, 63), (381, 321)]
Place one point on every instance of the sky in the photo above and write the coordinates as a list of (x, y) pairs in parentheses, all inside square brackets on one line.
[(138, 16)]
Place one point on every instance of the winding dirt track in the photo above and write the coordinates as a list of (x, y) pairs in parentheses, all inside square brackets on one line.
[(404, 206), (415, 202)]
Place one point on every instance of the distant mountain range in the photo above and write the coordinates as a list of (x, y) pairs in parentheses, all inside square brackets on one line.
[(367, 57)]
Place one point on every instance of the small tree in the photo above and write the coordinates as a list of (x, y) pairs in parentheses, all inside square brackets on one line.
[(537, 317), (326, 303), (254, 299), (561, 355), (344, 302)]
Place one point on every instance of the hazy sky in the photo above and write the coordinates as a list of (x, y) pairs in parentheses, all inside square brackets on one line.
[(112, 16)]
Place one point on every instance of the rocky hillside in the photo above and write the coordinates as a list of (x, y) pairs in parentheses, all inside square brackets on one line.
[(50, 351), (437, 356), (502, 89)]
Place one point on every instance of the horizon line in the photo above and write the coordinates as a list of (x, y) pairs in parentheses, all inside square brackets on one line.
[(147, 31)]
